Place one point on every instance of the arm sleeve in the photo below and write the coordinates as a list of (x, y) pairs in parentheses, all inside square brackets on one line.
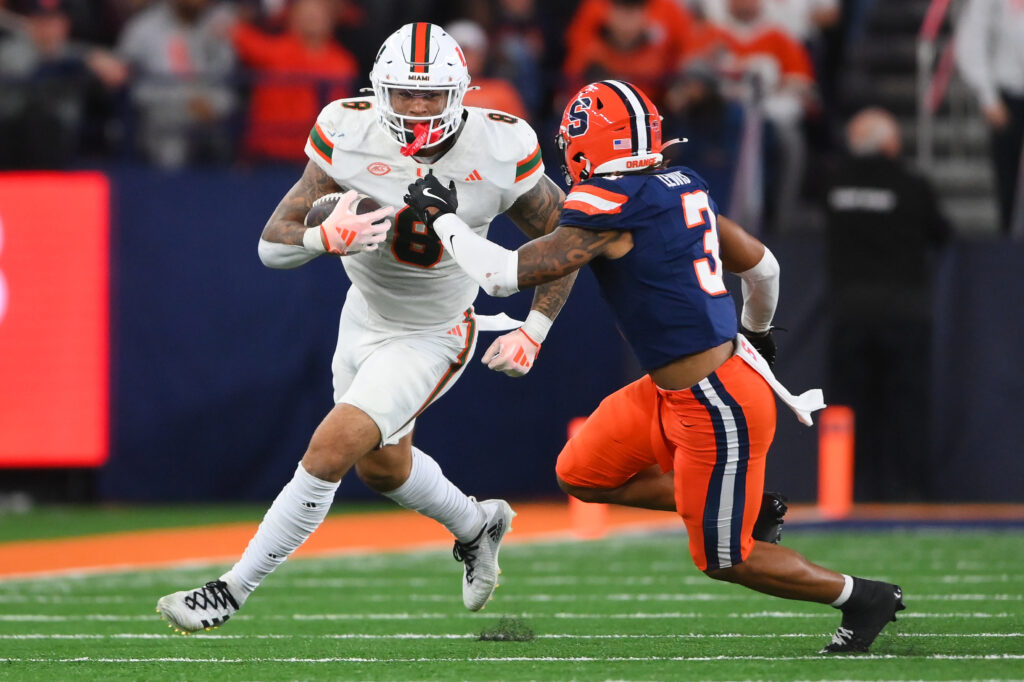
[(972, 41), (287, 256), (760, 285), (493, 267)]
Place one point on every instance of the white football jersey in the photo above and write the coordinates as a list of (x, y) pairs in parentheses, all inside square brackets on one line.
[(409, 279)]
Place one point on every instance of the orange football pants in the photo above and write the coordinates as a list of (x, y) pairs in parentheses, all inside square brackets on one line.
[(714, 436)]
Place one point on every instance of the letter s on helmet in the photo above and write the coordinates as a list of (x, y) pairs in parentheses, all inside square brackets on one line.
[(609, 127), (420, 56)]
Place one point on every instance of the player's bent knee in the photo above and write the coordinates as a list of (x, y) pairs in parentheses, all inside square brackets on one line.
[(324, 464), (344, 436), (379, 478), (586, 494)]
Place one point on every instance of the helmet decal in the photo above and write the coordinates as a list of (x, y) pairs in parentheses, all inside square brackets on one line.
[(578, 117), (639, 126), (609, 127), (419, 52), (419, 57)]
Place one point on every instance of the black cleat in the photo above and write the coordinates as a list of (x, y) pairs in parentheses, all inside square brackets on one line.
[(768, 527), (862, 623)]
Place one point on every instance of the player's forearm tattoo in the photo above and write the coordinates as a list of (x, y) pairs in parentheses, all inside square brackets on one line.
[(286, 222), (536, 213), (561, 253)]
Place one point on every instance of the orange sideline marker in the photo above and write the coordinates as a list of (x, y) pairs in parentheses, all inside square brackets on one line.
[(589, 520), (835, 462)]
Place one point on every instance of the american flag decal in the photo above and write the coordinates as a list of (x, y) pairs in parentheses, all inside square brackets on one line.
[(622, 143)]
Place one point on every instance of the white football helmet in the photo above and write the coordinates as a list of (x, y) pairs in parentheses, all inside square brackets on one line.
[(420, 56)]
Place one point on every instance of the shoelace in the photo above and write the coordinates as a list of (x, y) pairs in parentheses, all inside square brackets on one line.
[(466, 553), (842, 636), (213, 594)]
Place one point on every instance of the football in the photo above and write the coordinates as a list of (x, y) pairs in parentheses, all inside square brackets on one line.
[(323, 206)]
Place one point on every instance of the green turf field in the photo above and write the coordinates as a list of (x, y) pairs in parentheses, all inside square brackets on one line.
[(628, 608)]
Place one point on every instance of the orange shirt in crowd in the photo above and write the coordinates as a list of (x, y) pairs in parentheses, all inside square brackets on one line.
[(496, 93), (744, 46), (281, 114), (590, 55), (646, 66), (671, 18)]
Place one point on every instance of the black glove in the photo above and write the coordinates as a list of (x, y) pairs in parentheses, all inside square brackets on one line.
[(763, 342), (768, 527), (428, 192)]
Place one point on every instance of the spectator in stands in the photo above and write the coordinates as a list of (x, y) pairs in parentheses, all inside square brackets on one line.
[(771, 71), (493, 93), (990, 54), (640, 41), (801, 20), (522, 45), (47, 85), (294, 75), (183, 66), (695, 109), (882, 227)]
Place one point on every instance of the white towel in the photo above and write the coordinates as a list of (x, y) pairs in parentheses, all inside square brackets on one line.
[(497, 323), (802, 405)]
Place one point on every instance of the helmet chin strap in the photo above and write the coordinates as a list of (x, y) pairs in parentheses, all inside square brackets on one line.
[(585, 172), (422, 136)]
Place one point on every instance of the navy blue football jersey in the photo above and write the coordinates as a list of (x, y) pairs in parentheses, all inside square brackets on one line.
[(667, 294)]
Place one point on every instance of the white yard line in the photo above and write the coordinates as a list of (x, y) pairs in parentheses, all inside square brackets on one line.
[(473, 636), (514, 659), (561, 615)]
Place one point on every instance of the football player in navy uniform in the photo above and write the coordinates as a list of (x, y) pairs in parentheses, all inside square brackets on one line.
[(693, 434)]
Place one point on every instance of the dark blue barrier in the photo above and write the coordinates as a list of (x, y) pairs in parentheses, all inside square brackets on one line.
[(222, 366)]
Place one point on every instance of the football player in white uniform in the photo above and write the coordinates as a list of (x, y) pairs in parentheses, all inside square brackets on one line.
[(407, 328)]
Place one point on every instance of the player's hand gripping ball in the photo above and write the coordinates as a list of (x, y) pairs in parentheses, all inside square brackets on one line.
[(349, 222)]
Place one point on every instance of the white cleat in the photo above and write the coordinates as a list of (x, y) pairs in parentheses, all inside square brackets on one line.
[(201, 609), (480, 555)]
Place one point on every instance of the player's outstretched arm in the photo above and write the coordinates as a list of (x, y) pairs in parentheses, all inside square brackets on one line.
[(759, 272), (286, 242), (497, 270), (536, 213)]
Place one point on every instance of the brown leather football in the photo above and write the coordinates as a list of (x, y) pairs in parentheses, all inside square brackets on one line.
[(323, 206)]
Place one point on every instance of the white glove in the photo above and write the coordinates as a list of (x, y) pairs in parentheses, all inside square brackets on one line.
[(514, 353), (344, 233)]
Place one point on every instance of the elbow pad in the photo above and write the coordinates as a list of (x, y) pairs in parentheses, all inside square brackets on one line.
[(760, 286)]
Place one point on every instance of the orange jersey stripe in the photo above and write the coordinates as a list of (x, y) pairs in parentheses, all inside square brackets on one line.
[(601, 193), (321, 143), (589, 209), (529, 165)]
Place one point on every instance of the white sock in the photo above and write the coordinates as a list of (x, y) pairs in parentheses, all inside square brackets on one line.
[(428, 492), (299, 509), (845, 594)]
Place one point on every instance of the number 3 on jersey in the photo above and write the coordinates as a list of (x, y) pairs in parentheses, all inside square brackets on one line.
[(697, 212)]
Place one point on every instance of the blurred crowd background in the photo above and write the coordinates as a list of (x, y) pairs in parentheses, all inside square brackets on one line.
[(873, 144), (761, 88)]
